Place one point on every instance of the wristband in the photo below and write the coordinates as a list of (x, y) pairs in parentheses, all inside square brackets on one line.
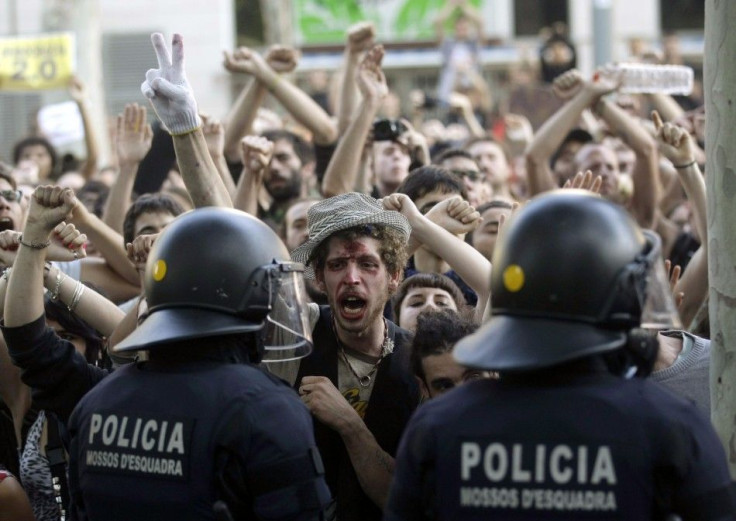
[(34, 245), (687, 165), (272, 86)]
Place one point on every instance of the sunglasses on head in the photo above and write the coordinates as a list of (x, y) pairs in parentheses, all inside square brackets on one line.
[(11, 195)]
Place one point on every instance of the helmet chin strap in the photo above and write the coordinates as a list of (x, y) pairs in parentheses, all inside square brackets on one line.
[(638, 355)]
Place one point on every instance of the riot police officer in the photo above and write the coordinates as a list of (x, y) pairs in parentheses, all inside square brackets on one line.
[(199, 422), (563, 434)]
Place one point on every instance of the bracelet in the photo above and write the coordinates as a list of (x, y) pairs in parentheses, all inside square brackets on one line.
[(6, 273), (272, 86), (186, 132), (78, 291), (688, 165), (60, 277), (34, 245)]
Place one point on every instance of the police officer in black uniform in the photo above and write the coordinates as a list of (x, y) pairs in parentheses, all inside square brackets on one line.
[(563, 434), (199, 423)]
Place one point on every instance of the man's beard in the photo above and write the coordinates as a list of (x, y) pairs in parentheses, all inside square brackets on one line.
[(291, 188)]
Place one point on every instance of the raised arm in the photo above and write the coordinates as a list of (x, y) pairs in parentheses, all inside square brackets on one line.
[(242, 114), (360, 38), (462, 105), (443, 15), (298, 103), (78, 92), (214, 135), (676, 144), (646, 171), (109, 243), (24, 298), (580, 95), (472, 14), (132, 143), (171, 96), (342, 172), (437, 232), (666, 105), (256, 153)]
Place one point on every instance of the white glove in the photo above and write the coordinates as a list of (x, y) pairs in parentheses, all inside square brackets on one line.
[(168, 89)]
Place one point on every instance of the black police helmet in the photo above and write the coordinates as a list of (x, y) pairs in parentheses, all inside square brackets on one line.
[(569, 280), (207, 275)]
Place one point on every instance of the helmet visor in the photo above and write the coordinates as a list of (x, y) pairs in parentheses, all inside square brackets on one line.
[(286, 334)]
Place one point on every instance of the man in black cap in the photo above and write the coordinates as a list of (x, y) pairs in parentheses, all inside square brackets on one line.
[(565, 433)]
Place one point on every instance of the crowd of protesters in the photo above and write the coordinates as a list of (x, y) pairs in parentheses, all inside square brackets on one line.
[(396, 219)]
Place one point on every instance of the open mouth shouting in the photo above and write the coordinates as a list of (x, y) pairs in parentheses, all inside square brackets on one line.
[(352, 307), (6, 223)]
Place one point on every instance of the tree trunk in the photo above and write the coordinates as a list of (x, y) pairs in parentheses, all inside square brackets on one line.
[(720, 96), (277, 22)]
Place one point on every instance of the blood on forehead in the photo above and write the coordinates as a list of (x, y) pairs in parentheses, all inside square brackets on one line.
[(342, 248)]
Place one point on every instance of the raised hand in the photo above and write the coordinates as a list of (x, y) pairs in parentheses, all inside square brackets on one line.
[(214, 135), (256, 153), (460, 102), (455, 215), (168, 89), (77, 89), (585, 181), (139, 249), (134, 135), (67, 243), (518, 128), (9, 242), (415, 141), (282, 59), (50, 205), (503, 218), (567, 84), (673, 273), (674, 142), (244, 60), (361, 37), (604, 80), (404, 205), (26, 172), (370, 78)]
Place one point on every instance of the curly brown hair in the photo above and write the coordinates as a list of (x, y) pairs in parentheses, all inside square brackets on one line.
[(392, 247)]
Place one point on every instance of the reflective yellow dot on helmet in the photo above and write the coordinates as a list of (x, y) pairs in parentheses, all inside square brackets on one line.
[(159, 270), (513, 278)]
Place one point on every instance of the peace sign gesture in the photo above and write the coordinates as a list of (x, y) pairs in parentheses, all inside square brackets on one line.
[(168, 89)]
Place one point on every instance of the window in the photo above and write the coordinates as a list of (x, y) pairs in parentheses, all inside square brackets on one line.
[(682, 15), (17, 121), (532, 15), (249, 22), (126, 57)]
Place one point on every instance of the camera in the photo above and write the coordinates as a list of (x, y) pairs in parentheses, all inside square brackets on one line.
[(387, 129)]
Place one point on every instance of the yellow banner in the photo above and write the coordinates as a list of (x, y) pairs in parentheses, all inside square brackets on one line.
[(37, 62)]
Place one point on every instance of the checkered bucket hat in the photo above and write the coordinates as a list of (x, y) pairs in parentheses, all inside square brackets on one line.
[(340, 213)]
